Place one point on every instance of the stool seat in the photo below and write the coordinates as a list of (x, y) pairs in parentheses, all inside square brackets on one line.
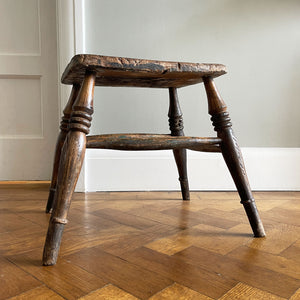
[(121, 71)]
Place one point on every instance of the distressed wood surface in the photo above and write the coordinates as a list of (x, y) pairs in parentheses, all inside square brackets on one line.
[(64, 129), (152, 142), (232, 154), (121, 71), (72, 155)]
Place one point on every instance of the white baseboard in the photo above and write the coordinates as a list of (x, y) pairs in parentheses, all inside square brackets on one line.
[(107, 170)]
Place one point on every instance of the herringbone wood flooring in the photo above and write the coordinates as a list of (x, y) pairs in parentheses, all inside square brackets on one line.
[(150, 245)]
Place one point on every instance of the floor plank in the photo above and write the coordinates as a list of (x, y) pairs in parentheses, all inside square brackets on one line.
[(266, 260), (13, 280), (39, 293), (150, 245), (280, 237), (296, 296), (244, 292), (109, 292), (65, 278), (134, 279), (291, 252), (179, 292), (194, 218), (250, 274), (200, 279)]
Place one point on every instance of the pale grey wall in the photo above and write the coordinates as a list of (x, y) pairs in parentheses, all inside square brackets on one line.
[(258, 40)]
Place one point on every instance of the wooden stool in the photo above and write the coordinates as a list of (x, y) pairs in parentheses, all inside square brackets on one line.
[(86, 71)]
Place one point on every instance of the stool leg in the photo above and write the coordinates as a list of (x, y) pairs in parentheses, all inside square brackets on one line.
[(232, 154), (176, 127), (72, 156), (64, 128)]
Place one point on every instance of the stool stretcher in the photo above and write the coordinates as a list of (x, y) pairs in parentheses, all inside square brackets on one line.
[(153, 142)]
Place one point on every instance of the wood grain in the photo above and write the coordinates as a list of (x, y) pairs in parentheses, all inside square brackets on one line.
[(86, 71), (109, 292), (200, 279), (39, 293), (232, 154), (224, 241), (281, 236), (121, 71), (253, 275), (268, 260), (72, 155), (152, 142), (200, 217), (200, 249), (64, 128), (176, 127), (13, 280), (296, 296), (179, 292), (292, 252), (243, 292), (132, 278), (66, 279)]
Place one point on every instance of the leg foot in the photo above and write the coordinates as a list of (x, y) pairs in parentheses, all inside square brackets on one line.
[(52, 243), (254, 219), (185, 191), (180, 158), (235, 163), (71, 161)]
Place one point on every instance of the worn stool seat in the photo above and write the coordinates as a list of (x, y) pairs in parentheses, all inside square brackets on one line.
[(85, 72), (120, 71)]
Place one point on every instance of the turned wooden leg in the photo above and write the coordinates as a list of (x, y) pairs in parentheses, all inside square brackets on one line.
[(71, 159), (176, 127), (232, 154), (64, 128)]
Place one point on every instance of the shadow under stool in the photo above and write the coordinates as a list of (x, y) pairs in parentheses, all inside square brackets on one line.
[(86, 71)]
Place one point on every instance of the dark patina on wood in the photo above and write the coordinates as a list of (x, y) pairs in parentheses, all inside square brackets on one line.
[(121, 71), (71, 158), (232, 154), (86, 71), (138, 142), (176, 127), (64, 129)]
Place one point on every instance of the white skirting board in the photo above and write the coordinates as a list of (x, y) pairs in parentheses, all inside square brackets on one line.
[(275, 169)]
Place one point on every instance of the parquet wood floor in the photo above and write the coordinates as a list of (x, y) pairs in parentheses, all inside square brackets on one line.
[(150, 245)]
